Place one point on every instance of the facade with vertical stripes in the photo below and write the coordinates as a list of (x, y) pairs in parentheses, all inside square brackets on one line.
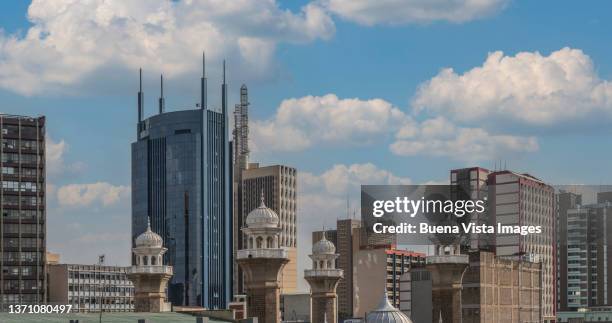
[(181, 179)]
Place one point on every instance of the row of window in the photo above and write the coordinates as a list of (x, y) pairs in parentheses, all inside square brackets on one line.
[(22, 284), (33, 201), (102, 276), (23, 158), (9, 213), (23, 228), (19, 299), (20, 186), (14, 144), (26, 172), (24, 256), (14, 270), (25, 242), (13, 130)]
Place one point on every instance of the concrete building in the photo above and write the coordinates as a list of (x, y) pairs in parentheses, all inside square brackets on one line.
[(91, 288), (471, 184), (373, 268), (295, 307), (415, 295), (565, 201), (262, 262), (597, 314), (585, 277), (346, 239), (279, 186), (23, 227), (323, 279), (181, 178), (501, 290), (524, 200)]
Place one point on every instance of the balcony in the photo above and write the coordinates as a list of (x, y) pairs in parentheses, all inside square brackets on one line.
[(323, 273), (150, 270), (262, 253)]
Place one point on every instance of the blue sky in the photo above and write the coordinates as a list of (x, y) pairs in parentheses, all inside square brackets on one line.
[(87, 89)]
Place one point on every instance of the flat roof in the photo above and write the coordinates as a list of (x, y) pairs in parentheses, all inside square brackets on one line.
[(113, 317)]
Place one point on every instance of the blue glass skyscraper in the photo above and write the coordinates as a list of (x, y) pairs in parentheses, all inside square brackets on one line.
[(181, 179)]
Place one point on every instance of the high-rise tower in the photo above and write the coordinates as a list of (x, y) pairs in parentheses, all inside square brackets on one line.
[(181, 178), (323, 279)]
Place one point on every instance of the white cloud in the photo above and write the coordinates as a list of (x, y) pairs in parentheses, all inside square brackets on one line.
[(56, 165), (323, 199), (81, 195), (71, 40), (528, 89), (395, 12), (439, 137), (300, 123)]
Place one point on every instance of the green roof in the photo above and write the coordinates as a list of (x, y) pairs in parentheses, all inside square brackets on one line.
[(116, 317)]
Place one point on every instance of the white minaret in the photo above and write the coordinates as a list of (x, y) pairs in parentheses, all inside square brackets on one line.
[(323, 279), (149, 275), (261, 261)]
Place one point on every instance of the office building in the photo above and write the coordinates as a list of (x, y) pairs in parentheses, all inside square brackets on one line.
[(346, 239), (91, 288), (585, 277), (279, 186), (373, 268), (181, 179), (495, 289), (295, 307), (23, 243), (415, 295), (565, 201), (524, 200), (471, 184)]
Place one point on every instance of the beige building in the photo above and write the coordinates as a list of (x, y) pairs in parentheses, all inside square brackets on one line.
[(279, 186), (500, 290), (373, 268), (522, 199), (89, 288)]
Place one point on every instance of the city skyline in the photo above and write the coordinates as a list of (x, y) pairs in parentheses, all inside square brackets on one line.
[(330, 76)]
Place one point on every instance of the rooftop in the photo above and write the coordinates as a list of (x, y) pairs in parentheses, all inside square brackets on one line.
[(125, 317)]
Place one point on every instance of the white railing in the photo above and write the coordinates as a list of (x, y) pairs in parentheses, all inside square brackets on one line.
[(445, 259), (323, 273), (151, 270), (262, 253)]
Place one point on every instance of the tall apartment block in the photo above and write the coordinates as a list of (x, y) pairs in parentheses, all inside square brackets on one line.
[(181, 179), (279, 186), (346, 239), (584, 271), (565, 201), (91, 288), (471, 184), (522, 199), (23, 224)]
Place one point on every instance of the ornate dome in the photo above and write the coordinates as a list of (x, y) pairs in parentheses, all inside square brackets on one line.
[(262, 216), (386, 313), (149, 238), (323, 246)]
